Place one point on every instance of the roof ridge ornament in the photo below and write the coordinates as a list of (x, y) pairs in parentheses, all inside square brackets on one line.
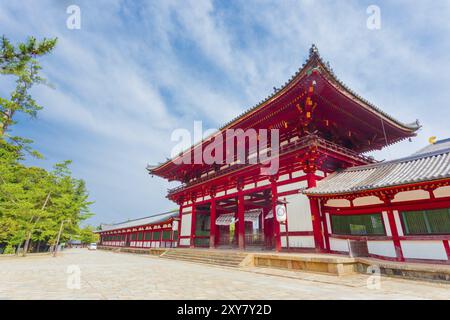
[(313, 51)]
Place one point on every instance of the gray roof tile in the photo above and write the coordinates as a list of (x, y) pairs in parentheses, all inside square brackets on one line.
[(430, 163)]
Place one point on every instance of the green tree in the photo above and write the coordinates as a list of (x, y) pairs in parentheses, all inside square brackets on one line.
[(87, 235), (21, 61), (34, 202)]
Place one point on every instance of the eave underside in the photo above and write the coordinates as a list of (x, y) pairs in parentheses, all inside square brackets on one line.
[(293, 157)]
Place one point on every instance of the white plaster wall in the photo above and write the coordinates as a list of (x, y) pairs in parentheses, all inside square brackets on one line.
[(327, 218), (320, 173), (398, 223), (338, 244), (366, 201), (284, 177), (185, 241), (292, 186), (186, 224), (298, 242), (249, 186), (221, 193), (387, 226), (299, 213), (263, 183), (442, 192), (186, 209), (422, 249), (232, 190), (411, 195), (338, 203), (297, 174), (382, 248)]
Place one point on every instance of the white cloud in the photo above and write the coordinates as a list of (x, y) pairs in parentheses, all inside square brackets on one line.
[(136, 71)]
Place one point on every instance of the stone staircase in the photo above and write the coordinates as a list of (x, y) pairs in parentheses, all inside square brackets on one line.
[(215, 257)]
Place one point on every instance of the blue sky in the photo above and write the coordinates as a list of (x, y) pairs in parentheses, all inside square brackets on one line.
[(136, 71)]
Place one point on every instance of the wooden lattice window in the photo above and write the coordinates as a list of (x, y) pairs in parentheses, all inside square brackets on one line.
[(166, 235), (156, 236), (421, 222), (360, 224)]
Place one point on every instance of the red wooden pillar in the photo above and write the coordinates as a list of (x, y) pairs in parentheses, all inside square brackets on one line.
[(315, 215), (447, 248), (241, 219), (394, 231), (193, 225), (325, 228), (276, 224), (179, 222), (212, 228)]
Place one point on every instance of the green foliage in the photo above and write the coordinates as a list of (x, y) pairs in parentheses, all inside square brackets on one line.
[(34, 202), (23, 194), (87, 235), (21, 62)]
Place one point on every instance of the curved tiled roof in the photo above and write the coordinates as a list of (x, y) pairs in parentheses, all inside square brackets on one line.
[(314, 54), (419, 167), (155, 219), (313, 61)]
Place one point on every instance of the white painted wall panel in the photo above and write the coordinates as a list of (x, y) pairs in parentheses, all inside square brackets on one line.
[(411, 195), (292, 186), (186, 224), (398, 223), (297, 174), (442, 192), (249, 186), (344, 203), (387, 226), (185, 241), (263, 183), (365, 201), (327, 217), (187, 209), (231, 191), (299, 213), (338, 244), (382, 248), (421, 249), (298, 242)]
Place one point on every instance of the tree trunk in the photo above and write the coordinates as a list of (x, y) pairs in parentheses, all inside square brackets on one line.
[(27, 242)]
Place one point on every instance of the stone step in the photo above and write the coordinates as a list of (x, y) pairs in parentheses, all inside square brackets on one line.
[(207, 253), (218, 260), (186, 254), (204, 256), (205, 261), (229, 259)]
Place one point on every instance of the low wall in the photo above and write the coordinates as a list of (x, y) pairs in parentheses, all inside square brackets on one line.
[(436, 273), (150, 251), (330, 265)]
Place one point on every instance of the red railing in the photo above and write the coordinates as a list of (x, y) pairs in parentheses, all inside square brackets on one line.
[(301, 143)]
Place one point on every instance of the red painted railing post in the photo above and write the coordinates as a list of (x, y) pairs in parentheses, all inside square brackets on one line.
[(193, 225), (241, 219), (212, 229), (276, 224), (315, 215)]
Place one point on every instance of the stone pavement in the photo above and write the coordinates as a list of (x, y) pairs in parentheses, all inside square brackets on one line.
[(108, 275)]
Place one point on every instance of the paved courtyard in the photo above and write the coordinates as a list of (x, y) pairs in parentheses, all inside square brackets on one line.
[(108, 275)]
